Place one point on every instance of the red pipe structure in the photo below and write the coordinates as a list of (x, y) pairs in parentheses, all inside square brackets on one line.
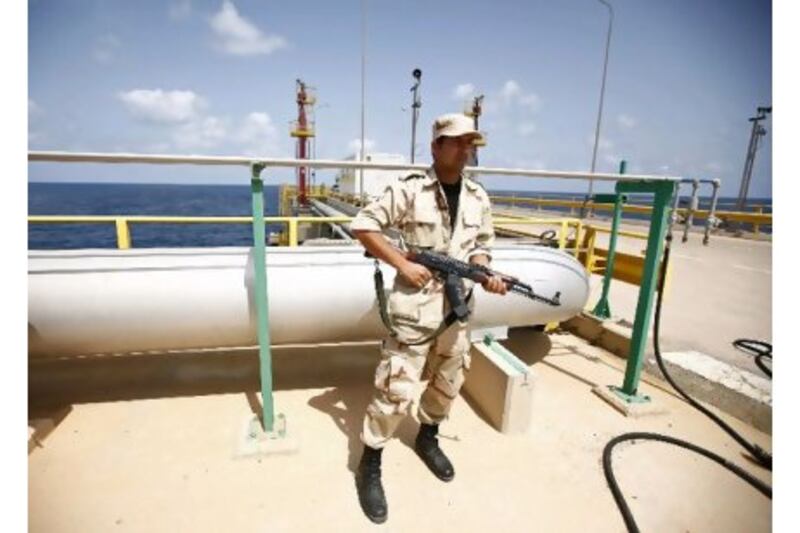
[(303, 130)]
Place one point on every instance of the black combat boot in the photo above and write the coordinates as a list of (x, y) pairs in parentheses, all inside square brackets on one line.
[(370, 489), (427, 447)]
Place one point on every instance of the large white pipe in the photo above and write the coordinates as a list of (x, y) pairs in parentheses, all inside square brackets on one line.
[(110, 301)]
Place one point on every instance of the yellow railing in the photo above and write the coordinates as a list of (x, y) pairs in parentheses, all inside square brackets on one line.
[(124, 240), (564, 226), (757, 218), (123, 223), (288, 193), (628, 267)]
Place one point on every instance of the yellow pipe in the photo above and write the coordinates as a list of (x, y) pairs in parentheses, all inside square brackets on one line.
[(735, 216), (578, 231), (123, 234), (293, 232), (757, 227), (624, 233)]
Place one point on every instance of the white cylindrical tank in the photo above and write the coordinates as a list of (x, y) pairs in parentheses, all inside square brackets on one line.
[(109, 301)]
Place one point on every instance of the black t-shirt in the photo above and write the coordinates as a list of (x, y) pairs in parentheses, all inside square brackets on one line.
[(452, 191)]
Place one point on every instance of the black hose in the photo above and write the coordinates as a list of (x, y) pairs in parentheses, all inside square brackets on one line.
[(630, 523), (762, 350), (760, 455)]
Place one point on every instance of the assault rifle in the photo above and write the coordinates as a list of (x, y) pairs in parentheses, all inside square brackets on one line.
[(446, 265)]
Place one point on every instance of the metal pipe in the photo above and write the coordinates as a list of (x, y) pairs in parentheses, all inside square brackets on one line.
[(342, 231), (89, 157), (712, 210), (693, 203), (363, 91), (673, 218)]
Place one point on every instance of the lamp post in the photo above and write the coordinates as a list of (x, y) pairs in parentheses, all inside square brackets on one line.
[(415, 105), (757, 132), (600, 108), (363, 69)]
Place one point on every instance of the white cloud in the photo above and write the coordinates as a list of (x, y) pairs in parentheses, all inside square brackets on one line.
[(163, 106), (713, 166), (530, 100), (104, 48), (526, 129), (257, 134), (626, 121), (238, 36), (355, 146), (510, 90), (180, 10), (512, 95), (34, 109), (206, 132), (463, 91)]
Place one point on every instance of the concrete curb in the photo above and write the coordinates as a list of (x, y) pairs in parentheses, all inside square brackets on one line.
[(737, 392)]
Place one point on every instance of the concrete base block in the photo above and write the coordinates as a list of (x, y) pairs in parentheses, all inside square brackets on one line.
[(501, 387), (612, 337), (40, 427), (633, 409), (255, 442), (739, 393)]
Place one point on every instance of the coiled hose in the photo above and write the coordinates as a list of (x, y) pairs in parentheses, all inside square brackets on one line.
[(762, 350)]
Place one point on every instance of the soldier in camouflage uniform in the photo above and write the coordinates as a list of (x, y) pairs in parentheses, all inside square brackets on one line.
[(446, 212)]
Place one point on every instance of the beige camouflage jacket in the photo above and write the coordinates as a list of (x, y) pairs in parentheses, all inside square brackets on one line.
[(417, 207)]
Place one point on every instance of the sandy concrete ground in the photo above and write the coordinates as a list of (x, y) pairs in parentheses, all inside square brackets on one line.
[(716, 294), (164, 463)]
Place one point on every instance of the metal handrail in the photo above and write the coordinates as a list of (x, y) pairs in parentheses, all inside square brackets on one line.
[(93, 157)]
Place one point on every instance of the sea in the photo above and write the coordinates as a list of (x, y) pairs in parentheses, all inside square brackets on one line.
[(191, 200)]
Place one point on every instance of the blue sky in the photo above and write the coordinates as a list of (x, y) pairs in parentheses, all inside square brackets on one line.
[(218, 78)]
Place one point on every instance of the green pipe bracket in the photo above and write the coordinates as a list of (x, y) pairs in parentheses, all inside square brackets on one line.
[(663, 193), (603, 309), (261, 298)]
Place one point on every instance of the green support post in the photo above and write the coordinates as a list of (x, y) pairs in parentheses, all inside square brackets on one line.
[(602, 309), (260, 295), (663, 191)]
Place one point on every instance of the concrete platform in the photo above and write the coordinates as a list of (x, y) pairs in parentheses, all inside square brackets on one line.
[(159, 455)]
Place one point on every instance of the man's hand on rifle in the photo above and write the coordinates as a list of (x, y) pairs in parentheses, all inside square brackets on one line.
[(495, 284), (415, 274)]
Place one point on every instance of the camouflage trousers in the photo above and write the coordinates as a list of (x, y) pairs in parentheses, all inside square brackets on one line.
[(443, 363)]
